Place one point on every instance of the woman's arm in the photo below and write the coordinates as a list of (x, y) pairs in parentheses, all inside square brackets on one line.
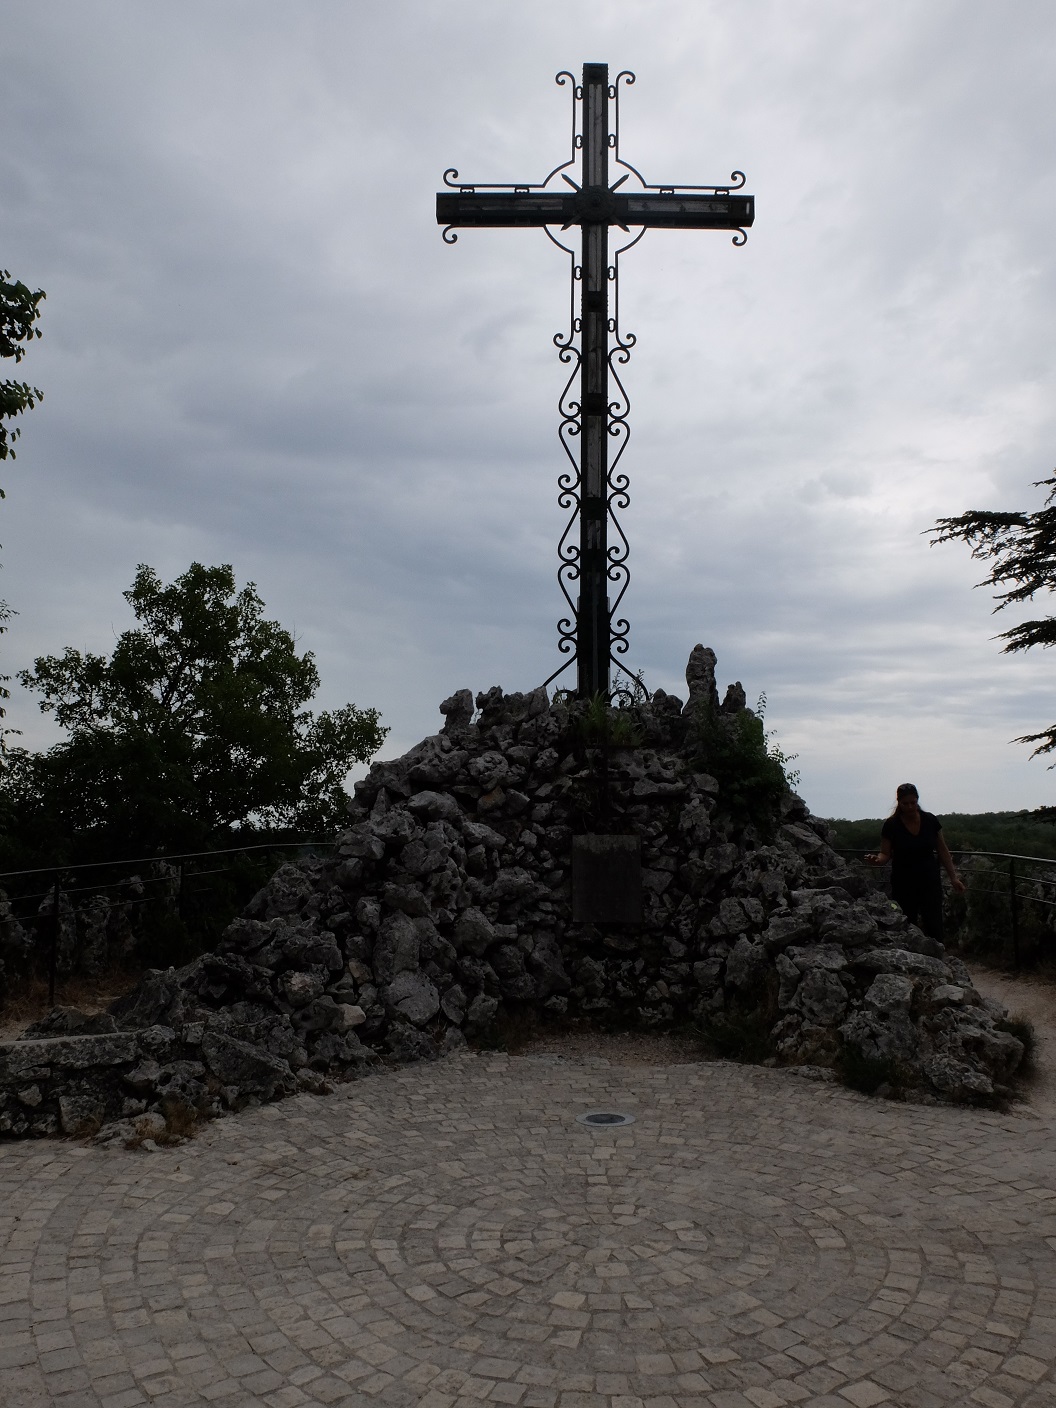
[(947, 864), (883, 855)]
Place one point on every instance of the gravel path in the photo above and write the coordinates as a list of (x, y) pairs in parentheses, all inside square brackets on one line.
[(449, 1236)]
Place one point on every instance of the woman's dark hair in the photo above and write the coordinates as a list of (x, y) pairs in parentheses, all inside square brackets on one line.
[(904, 789)]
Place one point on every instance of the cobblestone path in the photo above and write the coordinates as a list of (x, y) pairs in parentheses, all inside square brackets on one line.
[(449, 1237)]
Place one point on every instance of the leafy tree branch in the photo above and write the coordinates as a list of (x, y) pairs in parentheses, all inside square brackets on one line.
[(1021, 546)]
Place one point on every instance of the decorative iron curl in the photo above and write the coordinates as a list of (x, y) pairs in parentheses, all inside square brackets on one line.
[(568, 408), (624, 341), (618, 633), (448, 235), (620, 408), (621, 433), (567, 627), (740, 238), (566, 641), (618, 553), (563, 340), (619, 497)]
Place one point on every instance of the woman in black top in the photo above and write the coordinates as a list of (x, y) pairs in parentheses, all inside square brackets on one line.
[(912, 841)]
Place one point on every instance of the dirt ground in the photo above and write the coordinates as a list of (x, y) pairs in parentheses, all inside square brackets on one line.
[(30, 1000), (1034, 999)]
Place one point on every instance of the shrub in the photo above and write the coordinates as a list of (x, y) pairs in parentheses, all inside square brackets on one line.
[(751, 772), (596, 723)]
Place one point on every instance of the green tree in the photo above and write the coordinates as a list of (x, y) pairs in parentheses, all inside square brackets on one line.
[(1022, 547), (19, 310), (195, 725)]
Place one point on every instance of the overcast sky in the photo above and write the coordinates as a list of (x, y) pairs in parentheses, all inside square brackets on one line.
[(258, 350)]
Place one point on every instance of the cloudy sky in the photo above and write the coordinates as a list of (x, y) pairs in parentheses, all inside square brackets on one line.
[(258, 350)]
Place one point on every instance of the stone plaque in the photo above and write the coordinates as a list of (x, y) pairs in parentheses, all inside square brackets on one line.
[(606, 879)]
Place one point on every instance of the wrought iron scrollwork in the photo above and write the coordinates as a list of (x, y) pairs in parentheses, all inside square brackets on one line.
[(594, 409)]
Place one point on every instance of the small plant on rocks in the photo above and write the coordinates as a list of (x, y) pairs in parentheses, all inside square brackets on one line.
[(750, 770)]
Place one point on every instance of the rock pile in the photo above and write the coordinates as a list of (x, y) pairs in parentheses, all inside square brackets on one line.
[(447, 908)]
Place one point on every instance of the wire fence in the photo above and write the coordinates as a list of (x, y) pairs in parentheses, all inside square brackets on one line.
[(85, 917), (1009, 904)]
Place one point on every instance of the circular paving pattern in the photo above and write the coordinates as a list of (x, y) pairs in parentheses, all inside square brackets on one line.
[(451, 1235)]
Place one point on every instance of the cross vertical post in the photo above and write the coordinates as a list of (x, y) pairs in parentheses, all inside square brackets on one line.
[(593, 622), (590, 417)]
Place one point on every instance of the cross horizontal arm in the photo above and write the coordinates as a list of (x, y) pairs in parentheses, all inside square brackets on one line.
[(500, 208), (665, 211), (595, 205)]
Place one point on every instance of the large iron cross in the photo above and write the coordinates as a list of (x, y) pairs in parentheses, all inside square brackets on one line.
[(593, 489)]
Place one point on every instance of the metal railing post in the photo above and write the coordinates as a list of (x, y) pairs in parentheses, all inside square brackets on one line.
[(53, 962), (1014, 911)]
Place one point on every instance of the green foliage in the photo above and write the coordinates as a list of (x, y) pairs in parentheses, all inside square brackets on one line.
[(5, 733), (18, 314), (1017, 833), (750, 770), (597, 724), (1022, 547), (195, 725), (982, 919), (19, 311)]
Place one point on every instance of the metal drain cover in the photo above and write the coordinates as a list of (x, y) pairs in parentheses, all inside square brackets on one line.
[(604, 1119)]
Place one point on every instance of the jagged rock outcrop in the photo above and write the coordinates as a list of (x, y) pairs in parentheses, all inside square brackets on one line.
[(448, 903), (15, 944)]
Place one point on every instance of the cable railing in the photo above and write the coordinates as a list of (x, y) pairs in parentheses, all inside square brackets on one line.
[(43, 898), (1020, 888)]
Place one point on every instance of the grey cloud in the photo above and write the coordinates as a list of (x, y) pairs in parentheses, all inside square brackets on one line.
[(258, 350)]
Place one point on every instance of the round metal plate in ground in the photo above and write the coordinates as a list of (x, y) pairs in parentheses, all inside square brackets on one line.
[(604, 1119)]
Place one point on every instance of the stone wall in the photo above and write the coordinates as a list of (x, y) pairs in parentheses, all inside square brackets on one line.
[(447, 909)]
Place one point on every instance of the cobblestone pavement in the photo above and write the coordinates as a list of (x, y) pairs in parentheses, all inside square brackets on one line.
[(449, 1236)]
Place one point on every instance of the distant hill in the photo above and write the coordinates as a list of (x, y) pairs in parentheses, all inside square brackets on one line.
[(1016, 833)]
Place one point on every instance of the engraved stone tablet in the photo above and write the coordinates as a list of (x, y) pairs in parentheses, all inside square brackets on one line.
[(606, 879)]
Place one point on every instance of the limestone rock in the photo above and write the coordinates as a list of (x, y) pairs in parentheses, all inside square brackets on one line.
[(458, 711), (821, 998), (700, 678), (447, 907), (247, 1068), (412, 996)]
